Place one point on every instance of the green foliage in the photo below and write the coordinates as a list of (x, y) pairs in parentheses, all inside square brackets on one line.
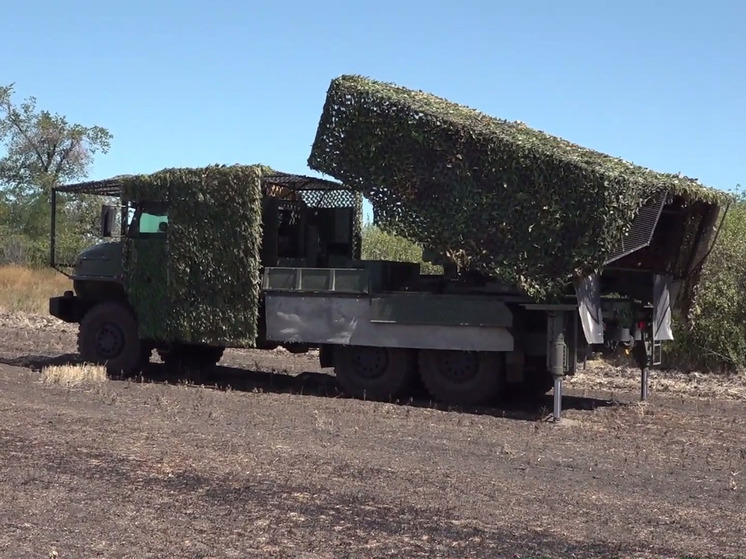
[(529, 208), (20, 248), (715, 338), (205, 287), (41, 150), (380, 245)]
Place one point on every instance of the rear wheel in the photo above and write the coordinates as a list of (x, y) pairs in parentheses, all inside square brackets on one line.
[(108, 336), (462, 377), (375, 373)]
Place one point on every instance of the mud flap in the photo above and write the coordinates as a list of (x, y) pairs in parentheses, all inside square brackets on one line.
[(665, 291), (588, 293)]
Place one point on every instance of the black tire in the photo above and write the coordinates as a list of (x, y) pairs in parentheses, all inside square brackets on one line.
[(108, 336), (375, 373), (466, 378)]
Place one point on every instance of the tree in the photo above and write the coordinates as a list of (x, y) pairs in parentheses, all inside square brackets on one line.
[(42, 150)]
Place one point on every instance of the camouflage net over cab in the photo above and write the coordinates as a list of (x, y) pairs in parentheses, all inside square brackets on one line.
[(201, 283), (518, 204)]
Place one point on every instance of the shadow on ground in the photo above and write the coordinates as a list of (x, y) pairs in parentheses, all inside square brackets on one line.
[(38, 362), (317, 384)]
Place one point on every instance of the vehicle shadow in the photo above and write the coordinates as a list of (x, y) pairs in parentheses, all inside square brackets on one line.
[(38, 362), (227, 378)]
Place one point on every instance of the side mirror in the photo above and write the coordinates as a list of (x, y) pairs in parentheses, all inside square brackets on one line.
[(108, 220)]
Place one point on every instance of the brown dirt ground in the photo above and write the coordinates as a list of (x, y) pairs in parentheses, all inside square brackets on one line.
[(275, 463)]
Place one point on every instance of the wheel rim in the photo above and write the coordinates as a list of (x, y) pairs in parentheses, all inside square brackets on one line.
[(459, 366), (109, 340), (370, 362)]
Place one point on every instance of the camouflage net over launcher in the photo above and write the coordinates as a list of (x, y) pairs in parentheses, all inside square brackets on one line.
[(531, 209), (208, 289)]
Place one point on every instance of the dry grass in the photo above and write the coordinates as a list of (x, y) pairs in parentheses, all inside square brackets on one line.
[(605, 376), (74, 375), (28, 290)]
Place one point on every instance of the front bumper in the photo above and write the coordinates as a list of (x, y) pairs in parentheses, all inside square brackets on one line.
[(67, 308)]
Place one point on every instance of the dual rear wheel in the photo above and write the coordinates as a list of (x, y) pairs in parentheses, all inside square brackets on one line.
[(454, 377)]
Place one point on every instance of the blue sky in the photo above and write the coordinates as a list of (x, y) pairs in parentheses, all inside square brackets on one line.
[(660, 83)]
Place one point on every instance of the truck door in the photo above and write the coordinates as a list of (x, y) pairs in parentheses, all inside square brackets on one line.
[(146, 270)]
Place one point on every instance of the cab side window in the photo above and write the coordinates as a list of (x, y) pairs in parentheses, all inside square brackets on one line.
[(153, 223), (149, 221)]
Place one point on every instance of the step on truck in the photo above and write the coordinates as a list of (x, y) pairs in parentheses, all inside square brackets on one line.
[(383, 326)]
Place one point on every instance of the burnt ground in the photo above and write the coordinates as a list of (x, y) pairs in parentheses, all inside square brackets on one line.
[(275, 463)]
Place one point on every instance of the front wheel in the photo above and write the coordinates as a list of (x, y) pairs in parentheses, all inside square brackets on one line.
[(108, 336)]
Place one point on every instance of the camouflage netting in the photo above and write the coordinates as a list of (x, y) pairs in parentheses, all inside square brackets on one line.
[(208, 290), (497, 196)]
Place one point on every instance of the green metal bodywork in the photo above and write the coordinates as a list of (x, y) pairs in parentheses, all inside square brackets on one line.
[(315, 280), (431, 309), (355, 276), (102, 262)]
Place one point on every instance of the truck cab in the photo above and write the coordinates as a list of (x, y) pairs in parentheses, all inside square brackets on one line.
[(305, 221)]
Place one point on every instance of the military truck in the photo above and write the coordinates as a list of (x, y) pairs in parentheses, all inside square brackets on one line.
[(383, 326)]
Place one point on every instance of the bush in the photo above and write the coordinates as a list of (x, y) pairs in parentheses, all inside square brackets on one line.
[(21, 250), (25, 229), (380, 245), (715, 337)]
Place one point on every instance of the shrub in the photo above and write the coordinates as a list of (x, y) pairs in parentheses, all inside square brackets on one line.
[(715, 339), (380, 245)]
